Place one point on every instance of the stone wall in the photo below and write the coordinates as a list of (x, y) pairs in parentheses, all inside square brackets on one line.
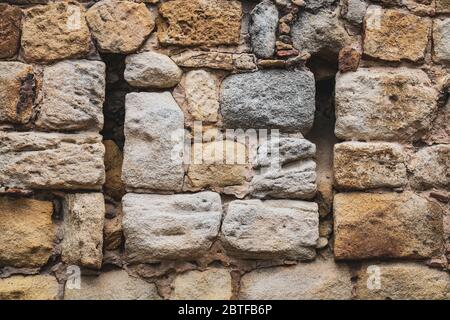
[(115, 121)]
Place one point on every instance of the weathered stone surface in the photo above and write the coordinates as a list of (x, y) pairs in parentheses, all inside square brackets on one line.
[(354, 11), (349, 59), (153, 154), (200, 22), (26, 232), (73, 96), (181, 226), (395, 35), (296, 181), (151, 70), (51, 160), (215, 60), (17, 92), (217, 164), (112, 285), (443, 6), (271, 229), (441, 40), (198, 96), (360, 165), (269, 99), (402, 281), (286, 149), (431, 167), (211, 284), (119, 26), (318, 280), (388, 225), (263, 29), (55, 31), (391, 104), (113, 232), (113, 170), (440, 132), (84, 215), (39, 287), (319, 33), (10, 29)]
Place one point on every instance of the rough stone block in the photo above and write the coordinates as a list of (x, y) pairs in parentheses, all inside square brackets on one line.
[(441, 40), (10, 29), (430, 167), (113, 170), (263, 29), (39, 287)]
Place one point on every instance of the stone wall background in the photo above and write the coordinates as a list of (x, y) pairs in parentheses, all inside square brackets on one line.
[(95, 96)]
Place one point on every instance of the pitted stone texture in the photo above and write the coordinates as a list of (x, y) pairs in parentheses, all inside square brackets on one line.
[(154, 137), (10, 29), (73, 96), (55, 31), (113, 232), (211, 284), (112, 285), (395, 35), (361, 165), (430, 167), (403, 281), (151, 70), (269, 99), (51, 160), (263, 29), (217, 164), (441, 40), (38, 287), (440, 133), (119, 26), (388, 225), (297, 181), (113, 186), (17, 92), (354, 11), (215, 60), (443, 6), (271, 229), (84, 215), (26, 232), (318, 280), (289, 149), (391, 104), (160, 227), (319, 33), (200, 22)]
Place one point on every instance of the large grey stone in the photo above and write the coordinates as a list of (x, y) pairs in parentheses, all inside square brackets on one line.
[(317, 4), (391, 104), (441, 40), (73, 96), (270, 99), (263, 28), (319, 33), (271, 229), (318, 280), (430, 167), (84, 216), (181, 226), (51, 160), (154, 139), (151, 70), (112, 285), (354, 10)]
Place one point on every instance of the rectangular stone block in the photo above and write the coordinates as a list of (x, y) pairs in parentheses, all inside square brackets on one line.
[(441, 40), (386, 225), (200, 22), (402, 281), (390, 104), (73, 95), (160, 227), (33, 160), (154, 142), (361, 165), (38, 287), (271, 229), (27, 232), (84, 216), (395, 35)]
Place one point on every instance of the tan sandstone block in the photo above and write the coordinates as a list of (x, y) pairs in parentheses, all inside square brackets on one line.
[(114, 185), (10, 28), (388, 225), (200, 22), (395, 35), (39, 287), (26, 232), (55, 31)]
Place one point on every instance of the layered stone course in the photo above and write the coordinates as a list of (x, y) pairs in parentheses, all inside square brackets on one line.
[(224, 149)]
